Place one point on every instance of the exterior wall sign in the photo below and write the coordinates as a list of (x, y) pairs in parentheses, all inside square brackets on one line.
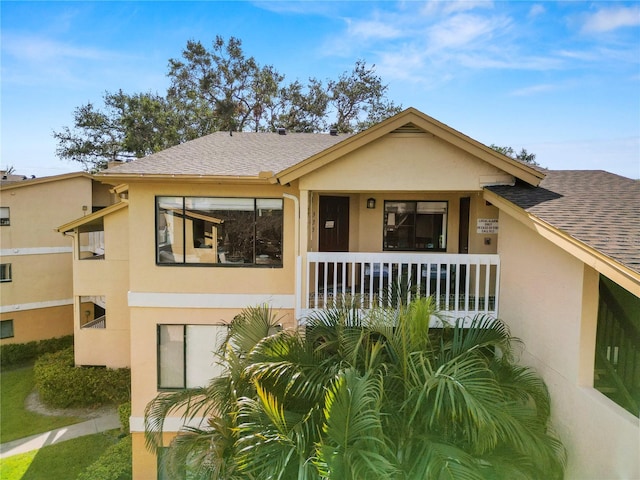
[(487, 225)]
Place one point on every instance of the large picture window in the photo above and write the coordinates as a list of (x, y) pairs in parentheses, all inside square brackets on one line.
[(415, 225), (186, 355), (219, 231)]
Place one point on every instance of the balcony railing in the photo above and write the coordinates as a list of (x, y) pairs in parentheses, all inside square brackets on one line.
[(462, 285), (100, 322)]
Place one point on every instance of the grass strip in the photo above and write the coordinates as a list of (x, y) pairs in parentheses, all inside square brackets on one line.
[(17, 422), (62, 461)]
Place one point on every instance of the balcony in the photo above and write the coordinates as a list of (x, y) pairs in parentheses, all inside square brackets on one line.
[(462, 285)]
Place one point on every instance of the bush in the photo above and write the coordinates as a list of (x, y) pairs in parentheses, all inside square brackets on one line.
[(124, 412), (114, 464), (19, 353), (63, 385)]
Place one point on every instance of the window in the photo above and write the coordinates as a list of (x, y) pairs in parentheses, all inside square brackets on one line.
[(413, 225), (186, 354), (617, 363), (216, 231), (4, 216), (5, 272), (93, 312), (6, 329)]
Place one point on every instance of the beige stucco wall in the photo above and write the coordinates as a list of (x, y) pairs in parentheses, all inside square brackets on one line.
[(109, 278), (39, 297), (402, 162), (39, 323), (146, 276), (549, 299), (366, 225)]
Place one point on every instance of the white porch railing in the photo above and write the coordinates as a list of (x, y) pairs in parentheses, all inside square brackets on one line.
[(462, 285), (100, 322)]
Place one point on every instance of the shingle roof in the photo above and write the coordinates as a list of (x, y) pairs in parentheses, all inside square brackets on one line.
[(598, 208), (239, 154)]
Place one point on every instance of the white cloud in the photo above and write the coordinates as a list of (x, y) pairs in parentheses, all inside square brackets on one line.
[(533, 90), (372, 29), (465, 30), (37, 49), (608, 19), (537, 10)]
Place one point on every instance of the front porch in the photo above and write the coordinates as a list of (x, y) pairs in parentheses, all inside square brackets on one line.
[(462, 285)]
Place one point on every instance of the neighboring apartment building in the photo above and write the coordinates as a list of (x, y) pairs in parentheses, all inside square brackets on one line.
[(35, 261), (232, 220)]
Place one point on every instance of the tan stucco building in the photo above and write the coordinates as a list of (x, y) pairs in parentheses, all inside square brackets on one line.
[(209, 227), (36, 289)]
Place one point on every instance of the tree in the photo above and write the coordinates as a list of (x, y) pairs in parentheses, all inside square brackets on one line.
[(523, 156), (216, 89), (130, 126), (378, 396)]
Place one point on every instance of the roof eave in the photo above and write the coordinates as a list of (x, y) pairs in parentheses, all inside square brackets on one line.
[(602, 263), (40, 180), (151, 177), (429, 125), (67, 227)]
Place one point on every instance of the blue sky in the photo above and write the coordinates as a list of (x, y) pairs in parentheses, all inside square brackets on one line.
[(561, 79)]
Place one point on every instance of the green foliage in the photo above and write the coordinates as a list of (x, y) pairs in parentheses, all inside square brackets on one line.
[(378, 395), (220, 89), (21, 353), (63, 385), (124, 412), (113, 464), (63, 460), (15, 420), (523, 156)]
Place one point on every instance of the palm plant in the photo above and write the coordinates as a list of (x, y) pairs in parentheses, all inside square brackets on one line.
[(381, 395)]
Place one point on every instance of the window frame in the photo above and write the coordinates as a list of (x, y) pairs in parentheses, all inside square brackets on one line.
[(185, 354), (414, 248), (5, 221), (2, 328), (6, 268), (184, 262)]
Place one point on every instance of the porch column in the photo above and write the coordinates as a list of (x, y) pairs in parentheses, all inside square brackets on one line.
[(304, 226)]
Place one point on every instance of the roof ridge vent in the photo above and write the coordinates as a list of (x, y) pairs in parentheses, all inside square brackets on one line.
[(282, 131)]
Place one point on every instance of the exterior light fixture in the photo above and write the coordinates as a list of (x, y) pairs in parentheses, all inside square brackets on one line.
[(371, 203)]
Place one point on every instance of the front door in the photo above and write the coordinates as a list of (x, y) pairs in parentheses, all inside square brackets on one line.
[(333, 225)]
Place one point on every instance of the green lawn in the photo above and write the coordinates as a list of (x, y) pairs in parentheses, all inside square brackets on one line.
[(15, 421), (63, 461)]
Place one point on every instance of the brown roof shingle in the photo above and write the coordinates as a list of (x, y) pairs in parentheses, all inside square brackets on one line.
[(238, 154), (598, 208)]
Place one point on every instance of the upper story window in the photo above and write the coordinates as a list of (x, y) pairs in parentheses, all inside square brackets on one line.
[(216, 231), (5, 218), (415, 225), (5, 272)]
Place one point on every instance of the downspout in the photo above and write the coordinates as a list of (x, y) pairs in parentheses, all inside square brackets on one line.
[(298, 277)]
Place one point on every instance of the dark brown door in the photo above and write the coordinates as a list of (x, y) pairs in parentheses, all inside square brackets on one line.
[(463, 231), (334, 224)]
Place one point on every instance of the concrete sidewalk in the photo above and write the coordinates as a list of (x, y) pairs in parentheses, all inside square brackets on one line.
[(35, 442)]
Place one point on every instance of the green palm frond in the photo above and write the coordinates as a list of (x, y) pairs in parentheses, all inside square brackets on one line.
[(353, 445), (188, 403)]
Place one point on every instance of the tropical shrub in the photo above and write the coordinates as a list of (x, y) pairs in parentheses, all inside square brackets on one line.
[(376, 396), (113, 464), (61, 384), (124, 413), (20, 353)]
